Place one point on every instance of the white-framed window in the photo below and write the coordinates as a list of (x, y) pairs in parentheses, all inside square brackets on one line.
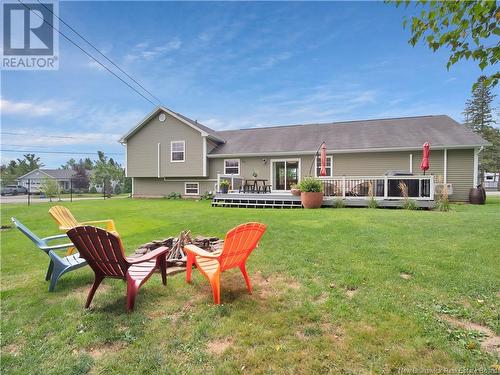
[(191, 188), (177, 151), (329, 166), (232, 166)]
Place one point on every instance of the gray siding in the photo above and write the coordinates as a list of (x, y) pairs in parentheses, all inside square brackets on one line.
[(157, 187), (142, 150), (461, 173)]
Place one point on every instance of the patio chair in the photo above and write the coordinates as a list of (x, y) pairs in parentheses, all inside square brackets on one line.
[(238, 245), (104, 252), (67, 221), (58, 265)]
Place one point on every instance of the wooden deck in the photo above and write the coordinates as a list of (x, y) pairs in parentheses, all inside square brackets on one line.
[(275, 200)]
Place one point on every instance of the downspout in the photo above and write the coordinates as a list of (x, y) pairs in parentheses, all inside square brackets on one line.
[(476, 165)]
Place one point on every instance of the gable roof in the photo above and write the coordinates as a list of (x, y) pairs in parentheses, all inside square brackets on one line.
[(382, 134), (204, 130), (57, 174)]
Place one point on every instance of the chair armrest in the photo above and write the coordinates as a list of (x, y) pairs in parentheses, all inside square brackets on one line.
[(151, 255), (110, 224), (195, 250), (57, 247), (50, 238)]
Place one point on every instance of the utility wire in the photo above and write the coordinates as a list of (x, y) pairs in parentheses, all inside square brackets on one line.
[(98, 51), (60, 152), (87, 53), (41, 136)]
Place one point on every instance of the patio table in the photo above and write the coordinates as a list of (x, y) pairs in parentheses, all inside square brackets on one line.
[(254, 184)]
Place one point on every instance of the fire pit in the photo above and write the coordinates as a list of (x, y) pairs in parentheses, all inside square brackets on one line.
[(175, 255)]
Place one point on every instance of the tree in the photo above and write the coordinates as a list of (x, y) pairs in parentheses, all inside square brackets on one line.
[(69, 164), (81, 180), (105, 171), (466, 28), (50, 188), (479, 118), (15, 168)]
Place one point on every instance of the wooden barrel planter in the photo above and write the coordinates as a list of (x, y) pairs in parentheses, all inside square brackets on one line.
[(477, 195)]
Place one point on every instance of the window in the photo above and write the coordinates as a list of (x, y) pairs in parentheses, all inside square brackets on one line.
[(177, 150), (329, 166), (232, 166), (191, 188)]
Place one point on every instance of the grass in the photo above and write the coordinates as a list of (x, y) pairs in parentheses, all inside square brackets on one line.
[(335, 290)]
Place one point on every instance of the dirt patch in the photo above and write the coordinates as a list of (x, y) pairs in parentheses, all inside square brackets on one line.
[(405, 276), (274, 285), (99, 351), (351, 292), (83, 291), (11, 349), (491, 343), (322, 298), (219, 346)]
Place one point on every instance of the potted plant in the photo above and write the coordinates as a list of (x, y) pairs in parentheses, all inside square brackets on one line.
[(311, 192), (295, 190), (224, 186)]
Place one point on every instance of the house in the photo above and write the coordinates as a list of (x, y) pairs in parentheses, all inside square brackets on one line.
[(33, 180), (168, 152)]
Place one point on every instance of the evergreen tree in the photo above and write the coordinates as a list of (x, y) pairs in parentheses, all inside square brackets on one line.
[(478, 109)]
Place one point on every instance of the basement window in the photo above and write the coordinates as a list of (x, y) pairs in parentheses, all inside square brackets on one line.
[(192, 188)]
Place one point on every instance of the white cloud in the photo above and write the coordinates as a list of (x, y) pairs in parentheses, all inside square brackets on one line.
[(271, 61), (31, 109), (146, 51)]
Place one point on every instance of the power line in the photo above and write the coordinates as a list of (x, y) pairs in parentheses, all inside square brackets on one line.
[(98, 51), (41, 136), (60, 152), (87, 53)]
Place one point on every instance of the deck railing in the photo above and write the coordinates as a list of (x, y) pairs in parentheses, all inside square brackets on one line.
[(379, 187), (235, 181)]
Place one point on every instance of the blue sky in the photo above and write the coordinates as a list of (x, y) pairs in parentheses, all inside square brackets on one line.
[(229, 65)]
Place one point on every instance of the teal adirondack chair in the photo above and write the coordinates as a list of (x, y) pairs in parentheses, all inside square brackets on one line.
[(58, 265)]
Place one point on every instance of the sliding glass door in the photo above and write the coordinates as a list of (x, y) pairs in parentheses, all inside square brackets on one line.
[(285, 173)]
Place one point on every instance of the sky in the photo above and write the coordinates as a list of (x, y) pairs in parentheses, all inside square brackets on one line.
[(229, 65)]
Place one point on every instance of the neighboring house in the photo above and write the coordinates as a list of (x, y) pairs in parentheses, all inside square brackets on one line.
[(33, 180), (491, 180), (168, 152), (99, 187)]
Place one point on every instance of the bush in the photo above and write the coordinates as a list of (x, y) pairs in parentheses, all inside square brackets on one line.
[(224, 183), (208, 195), (372, 203), (173, 195), (93, 190), (443, 205), (311, 185), (410, 204), (338, 203), (118, 189)]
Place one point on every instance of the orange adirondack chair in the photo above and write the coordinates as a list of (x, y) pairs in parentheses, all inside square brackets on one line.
[(238, 245), (104, 253)]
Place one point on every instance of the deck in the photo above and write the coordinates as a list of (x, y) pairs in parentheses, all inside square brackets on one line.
[(276, 200)]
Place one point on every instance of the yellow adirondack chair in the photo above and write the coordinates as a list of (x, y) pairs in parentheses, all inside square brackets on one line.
[(66, 221)]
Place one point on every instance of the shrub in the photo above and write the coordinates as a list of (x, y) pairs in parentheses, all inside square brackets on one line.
[(338, 203), (118, 189), (173, 195), (410, 204), (224, 183), (372, 203), (443, 205), (93, 190), (208, 195), (311, 185)]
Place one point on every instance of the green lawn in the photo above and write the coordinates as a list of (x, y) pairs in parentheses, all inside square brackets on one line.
[(329, 295)]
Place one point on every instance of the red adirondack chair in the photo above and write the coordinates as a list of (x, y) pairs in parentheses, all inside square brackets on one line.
[(104, 253)]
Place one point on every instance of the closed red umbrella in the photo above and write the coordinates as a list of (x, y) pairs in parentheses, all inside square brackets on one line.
[(426, 151), (322, 171)]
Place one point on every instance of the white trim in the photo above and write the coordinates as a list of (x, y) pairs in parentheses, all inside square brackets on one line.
[(184, 152), (133, 188), (168, 179), (316, 167), (126, 173), (204, 141), (39, 170), (345, 151), (476, 167), (159, 161), (285, 160), (192, 182), (445, 165), (171, 113), (411, 163), (239, 166)]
